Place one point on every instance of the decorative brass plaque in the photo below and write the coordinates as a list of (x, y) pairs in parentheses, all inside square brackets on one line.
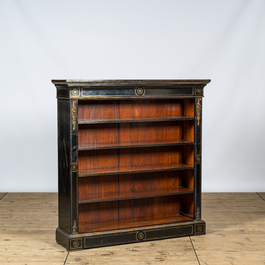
[(76, 243), (199, 91), (139, 91), (198, 159), (74, 167), (75, 92), (140, 235)]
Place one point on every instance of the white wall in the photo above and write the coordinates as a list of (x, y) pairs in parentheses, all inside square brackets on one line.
[(52, 39)]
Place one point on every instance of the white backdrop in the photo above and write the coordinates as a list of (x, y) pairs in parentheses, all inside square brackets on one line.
[(140, 39)]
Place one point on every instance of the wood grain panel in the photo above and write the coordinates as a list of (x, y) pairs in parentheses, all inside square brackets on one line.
[(187, 131), (95, 213), (148, 208), (98, 110), (135, 159), (153, 156), (187, 204), (155, 182), (111, 135), (98, 159), (150, 109), (124, 214), (188, 107), (98, 187), (134, 109), (98, 135), (95, 227), (131, 169), (187, 155), (149, 132), (135, 185), (187, 179)]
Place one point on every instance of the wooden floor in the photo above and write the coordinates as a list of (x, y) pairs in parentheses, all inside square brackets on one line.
[(235, 235)]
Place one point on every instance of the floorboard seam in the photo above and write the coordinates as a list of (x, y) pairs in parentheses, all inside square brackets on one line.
[(260, 196), (3, 196), (66, 258), (195, 251)]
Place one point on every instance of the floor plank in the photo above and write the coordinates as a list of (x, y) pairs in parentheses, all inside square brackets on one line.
[(235, 229), (27, 225), (235, 235), (2, 194), (164, 252), (262, 195)]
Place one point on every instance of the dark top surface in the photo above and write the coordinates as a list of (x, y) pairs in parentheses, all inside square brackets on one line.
[(130, 82)]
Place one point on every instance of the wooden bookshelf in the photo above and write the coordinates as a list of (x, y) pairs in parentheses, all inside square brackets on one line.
[(129, 156)]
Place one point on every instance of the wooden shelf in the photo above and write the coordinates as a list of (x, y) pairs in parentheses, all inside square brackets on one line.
[(178, 118), (114, 196), (87, 147), (94, 227), (133, 169)]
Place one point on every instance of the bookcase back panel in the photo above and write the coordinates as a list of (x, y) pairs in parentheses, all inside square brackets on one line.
[(150, 109), (98, 135), (98, 187), (188, 107), (148, 208), (134, 109), (187, 179), (146, 183), (98, 110), (155, 132), (187, 204), (132, 213), (170, 155), (187, 131), (135, 185), (91, 213), (104, 135), (98, 159), (135, 157)]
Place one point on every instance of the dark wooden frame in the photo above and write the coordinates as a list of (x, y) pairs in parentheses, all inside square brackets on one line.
[(70, 94)]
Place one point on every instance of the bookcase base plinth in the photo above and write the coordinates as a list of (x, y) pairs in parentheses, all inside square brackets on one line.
[(141, 234)]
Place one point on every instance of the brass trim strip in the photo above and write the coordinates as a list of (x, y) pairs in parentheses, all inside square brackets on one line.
[(74, 113), (199, 109)]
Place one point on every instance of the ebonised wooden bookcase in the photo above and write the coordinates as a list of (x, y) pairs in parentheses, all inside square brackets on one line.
[(129, 161)]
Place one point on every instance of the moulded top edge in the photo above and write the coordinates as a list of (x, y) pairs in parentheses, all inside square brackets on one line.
[(129, 82)]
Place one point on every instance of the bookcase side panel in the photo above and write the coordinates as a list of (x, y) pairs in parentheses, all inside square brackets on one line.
[(64, 158), (198, 143), (74, 165)]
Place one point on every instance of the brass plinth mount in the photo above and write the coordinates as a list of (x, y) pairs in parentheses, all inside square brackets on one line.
[(74, 230), (76, 244), (141, 235), (198, 214)]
